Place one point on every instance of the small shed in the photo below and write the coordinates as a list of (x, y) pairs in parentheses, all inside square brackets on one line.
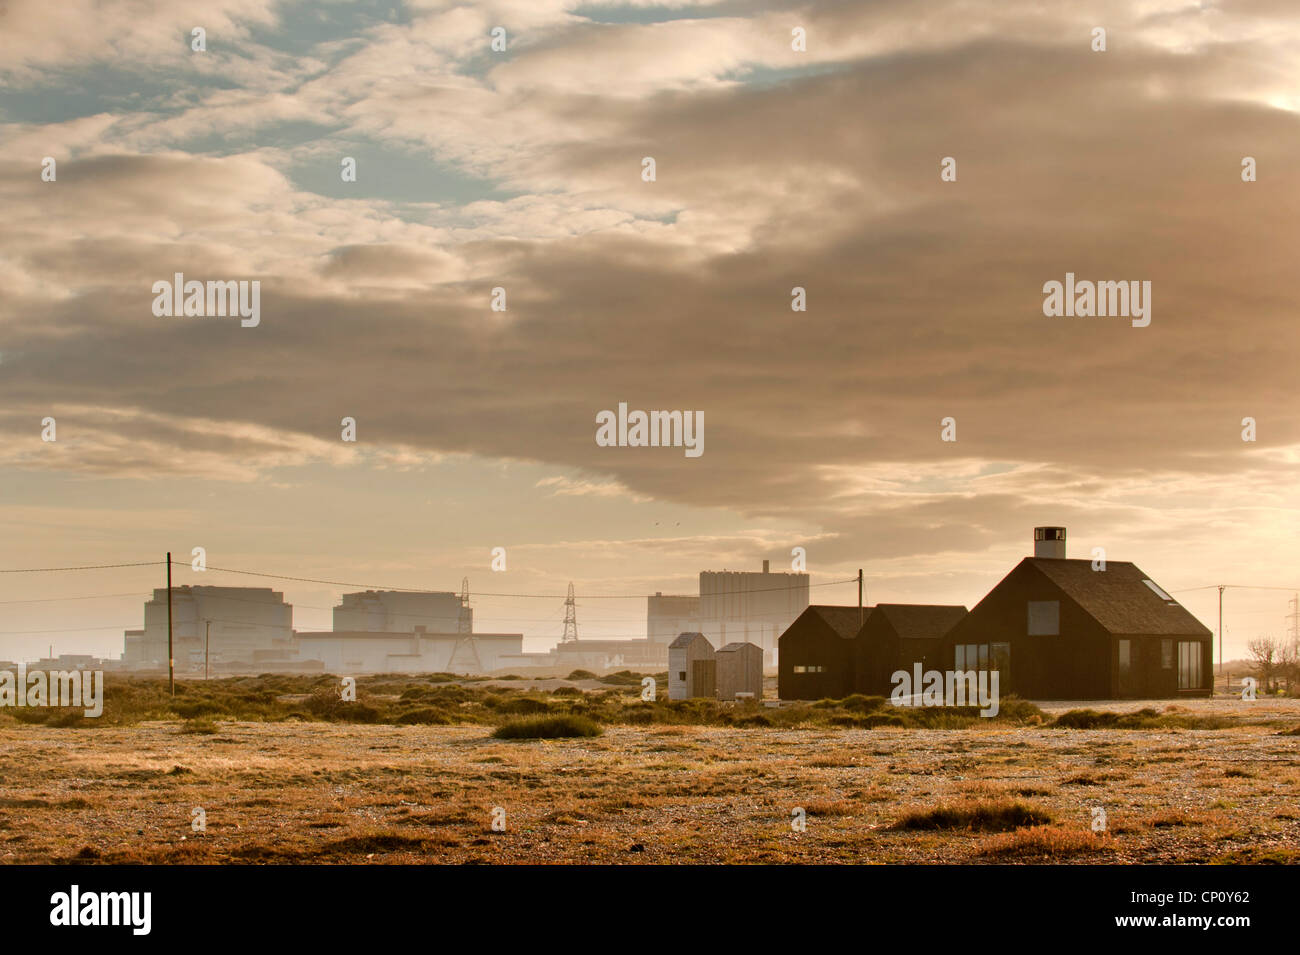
[(740, 670), (692, 667)]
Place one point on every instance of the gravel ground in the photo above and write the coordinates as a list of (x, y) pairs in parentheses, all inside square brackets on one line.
[(317, 792)]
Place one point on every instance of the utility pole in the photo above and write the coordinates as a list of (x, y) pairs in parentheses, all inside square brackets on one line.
[(171, 658), (1293, 631), (1225, 683), (207, 632), (860, 617)]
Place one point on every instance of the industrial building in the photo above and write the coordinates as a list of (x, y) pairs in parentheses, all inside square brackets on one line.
[(609, 654), (400, 611), (667, 615), (750, 607), (739, 669), (692, 667), (1058, 629), (245, 628), (419, 651)]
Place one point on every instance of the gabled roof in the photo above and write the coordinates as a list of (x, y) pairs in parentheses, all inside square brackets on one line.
[(1119, 597), (846, 621), (738, 645), (921, 621), (685, 640)]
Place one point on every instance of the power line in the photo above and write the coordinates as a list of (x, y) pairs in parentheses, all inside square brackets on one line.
[(46, 570), (37, 600), (416, 590), (1187, 590), (23, 633)]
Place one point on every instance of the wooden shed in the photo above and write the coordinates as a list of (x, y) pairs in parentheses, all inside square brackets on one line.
[(692, 667), (816, 654), (1057, 629), (740, 670), (895, 637)]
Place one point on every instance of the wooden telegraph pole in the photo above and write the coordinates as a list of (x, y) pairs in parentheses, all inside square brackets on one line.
[(859, 597), (171, 658), (1225, 682)]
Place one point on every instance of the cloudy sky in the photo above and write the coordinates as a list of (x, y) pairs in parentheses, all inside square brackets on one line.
[(522, 169)]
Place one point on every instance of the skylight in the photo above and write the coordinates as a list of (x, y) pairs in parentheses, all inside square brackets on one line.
[(1158, 592)]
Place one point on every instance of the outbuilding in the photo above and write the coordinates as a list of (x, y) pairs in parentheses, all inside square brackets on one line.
[(692, 667), (740, 670)]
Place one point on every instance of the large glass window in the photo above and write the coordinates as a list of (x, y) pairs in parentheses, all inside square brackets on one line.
[(982, 656), (1189, 665), (1001, 654), (1167, 654)]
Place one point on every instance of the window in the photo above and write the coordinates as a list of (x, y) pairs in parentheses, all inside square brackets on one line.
[(1001, 656), (809, 669), (681, 675), (1157, 591), (982, 656), (1125, 656), (1189, 665), (1166, 654), (1044, 618)]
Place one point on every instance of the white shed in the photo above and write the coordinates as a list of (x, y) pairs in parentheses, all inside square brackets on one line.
[(691, 667)]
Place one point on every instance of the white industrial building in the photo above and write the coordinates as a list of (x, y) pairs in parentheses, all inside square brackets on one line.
[(245, 627), (400, 611), (751, 607), (360, 651)]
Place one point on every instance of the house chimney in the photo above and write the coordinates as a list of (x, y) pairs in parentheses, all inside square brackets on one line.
[(765, 566), (1049, 542)]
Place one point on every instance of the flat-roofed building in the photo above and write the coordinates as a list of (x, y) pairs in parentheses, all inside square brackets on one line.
[(359, 651), (400, 611), (751, 607), (667, 615), (246, 624)]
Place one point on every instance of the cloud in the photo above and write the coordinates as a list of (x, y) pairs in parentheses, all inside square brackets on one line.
[(773, 172)]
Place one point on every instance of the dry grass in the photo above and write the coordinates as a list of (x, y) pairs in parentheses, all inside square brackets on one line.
[(986, 816), (1054, 842), (307, 791)]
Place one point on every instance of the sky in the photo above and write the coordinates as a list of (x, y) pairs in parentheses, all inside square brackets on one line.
[(774, 168)]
